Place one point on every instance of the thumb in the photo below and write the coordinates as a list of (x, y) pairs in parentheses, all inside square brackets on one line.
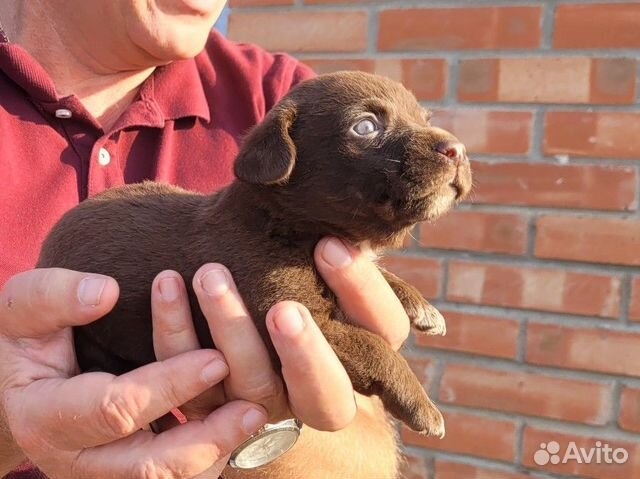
[(40, 302)]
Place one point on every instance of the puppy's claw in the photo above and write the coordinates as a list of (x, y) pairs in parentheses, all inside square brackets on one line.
[(430, 321)]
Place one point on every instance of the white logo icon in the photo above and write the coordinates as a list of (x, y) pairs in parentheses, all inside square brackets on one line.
[(549, 452)]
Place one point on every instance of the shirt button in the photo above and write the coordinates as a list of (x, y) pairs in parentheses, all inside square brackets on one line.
[(104, 158), (63, 113)]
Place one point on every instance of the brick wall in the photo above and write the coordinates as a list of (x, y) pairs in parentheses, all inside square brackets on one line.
[(538, 274)]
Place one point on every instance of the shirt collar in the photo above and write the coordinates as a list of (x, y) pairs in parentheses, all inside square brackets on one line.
[(177, 90)]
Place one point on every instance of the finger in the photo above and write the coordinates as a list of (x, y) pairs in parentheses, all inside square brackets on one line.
[(96, 408), (251, 374), (363, 293), (319, 389), (184, 451), (173, 334), (173, 330), (57, 298)]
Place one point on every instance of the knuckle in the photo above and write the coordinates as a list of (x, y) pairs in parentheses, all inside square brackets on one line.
[(170, 326), (47, 292), (149, 469), (265, 391), (116, 414), (152, 469), (173, 394)]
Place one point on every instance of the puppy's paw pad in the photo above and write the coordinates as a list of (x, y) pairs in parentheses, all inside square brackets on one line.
[(430, 321)]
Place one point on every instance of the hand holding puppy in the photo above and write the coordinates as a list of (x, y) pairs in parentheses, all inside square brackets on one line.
[(90, 425)]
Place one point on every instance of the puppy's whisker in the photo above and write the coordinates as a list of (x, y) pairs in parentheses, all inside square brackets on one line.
[(390, 159)]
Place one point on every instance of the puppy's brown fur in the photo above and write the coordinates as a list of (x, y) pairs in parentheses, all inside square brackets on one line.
[(305, 172)]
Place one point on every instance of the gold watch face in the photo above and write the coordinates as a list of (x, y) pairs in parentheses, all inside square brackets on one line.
[(264, 447)]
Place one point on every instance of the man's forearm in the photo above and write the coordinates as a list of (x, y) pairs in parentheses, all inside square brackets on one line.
[(366, 448)]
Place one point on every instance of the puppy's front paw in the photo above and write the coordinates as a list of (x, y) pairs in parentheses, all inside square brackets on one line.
[(424, 317), (429, 320), (429, 422)]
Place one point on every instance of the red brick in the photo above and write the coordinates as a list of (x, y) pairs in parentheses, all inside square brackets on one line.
[(424, 274), (605, 25), (413, 467), (258, 3), (479, 80), (528, 394), (630, 409), (299, 31), (561, 186), (599, 350), (485, 131), (613, 80), (594, 240), (452, 470), (326, 65), (423, 368), (426, 78), (548, 80), (344, 2), (459, 28), (543, 289), (533, 438), (634, 307), (475, 334), (599, 134), (476, 231), (471, 435)]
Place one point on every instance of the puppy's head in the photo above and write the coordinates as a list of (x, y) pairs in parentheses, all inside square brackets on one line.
[(354, 155)]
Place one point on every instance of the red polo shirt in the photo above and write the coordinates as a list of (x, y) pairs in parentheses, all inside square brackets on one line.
[(183, 128)]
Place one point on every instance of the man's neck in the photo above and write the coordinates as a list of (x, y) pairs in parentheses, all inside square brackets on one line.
[(105, 92)]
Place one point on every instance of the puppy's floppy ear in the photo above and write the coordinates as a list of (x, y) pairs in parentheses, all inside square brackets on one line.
[(268, 153)]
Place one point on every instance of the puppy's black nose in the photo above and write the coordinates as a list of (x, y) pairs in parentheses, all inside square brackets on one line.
[(454, 150)]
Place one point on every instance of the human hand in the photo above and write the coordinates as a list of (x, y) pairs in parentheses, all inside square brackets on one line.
[(89, 425)]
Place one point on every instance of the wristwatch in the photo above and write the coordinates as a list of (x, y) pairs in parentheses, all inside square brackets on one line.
[(269, 443)]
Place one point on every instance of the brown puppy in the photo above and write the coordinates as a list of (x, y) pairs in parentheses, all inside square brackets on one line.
[(348, 154)]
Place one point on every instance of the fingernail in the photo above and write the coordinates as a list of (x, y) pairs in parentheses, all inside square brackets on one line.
[(336, 254), (289, 321), (90, 290), (215, 371), (215, 282), (169, 289), (253, 420)]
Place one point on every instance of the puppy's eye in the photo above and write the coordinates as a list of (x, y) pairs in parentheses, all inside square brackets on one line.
[(365, 127)]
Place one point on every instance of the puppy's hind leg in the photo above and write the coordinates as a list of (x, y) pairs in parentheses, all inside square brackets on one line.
[(375, 368)]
